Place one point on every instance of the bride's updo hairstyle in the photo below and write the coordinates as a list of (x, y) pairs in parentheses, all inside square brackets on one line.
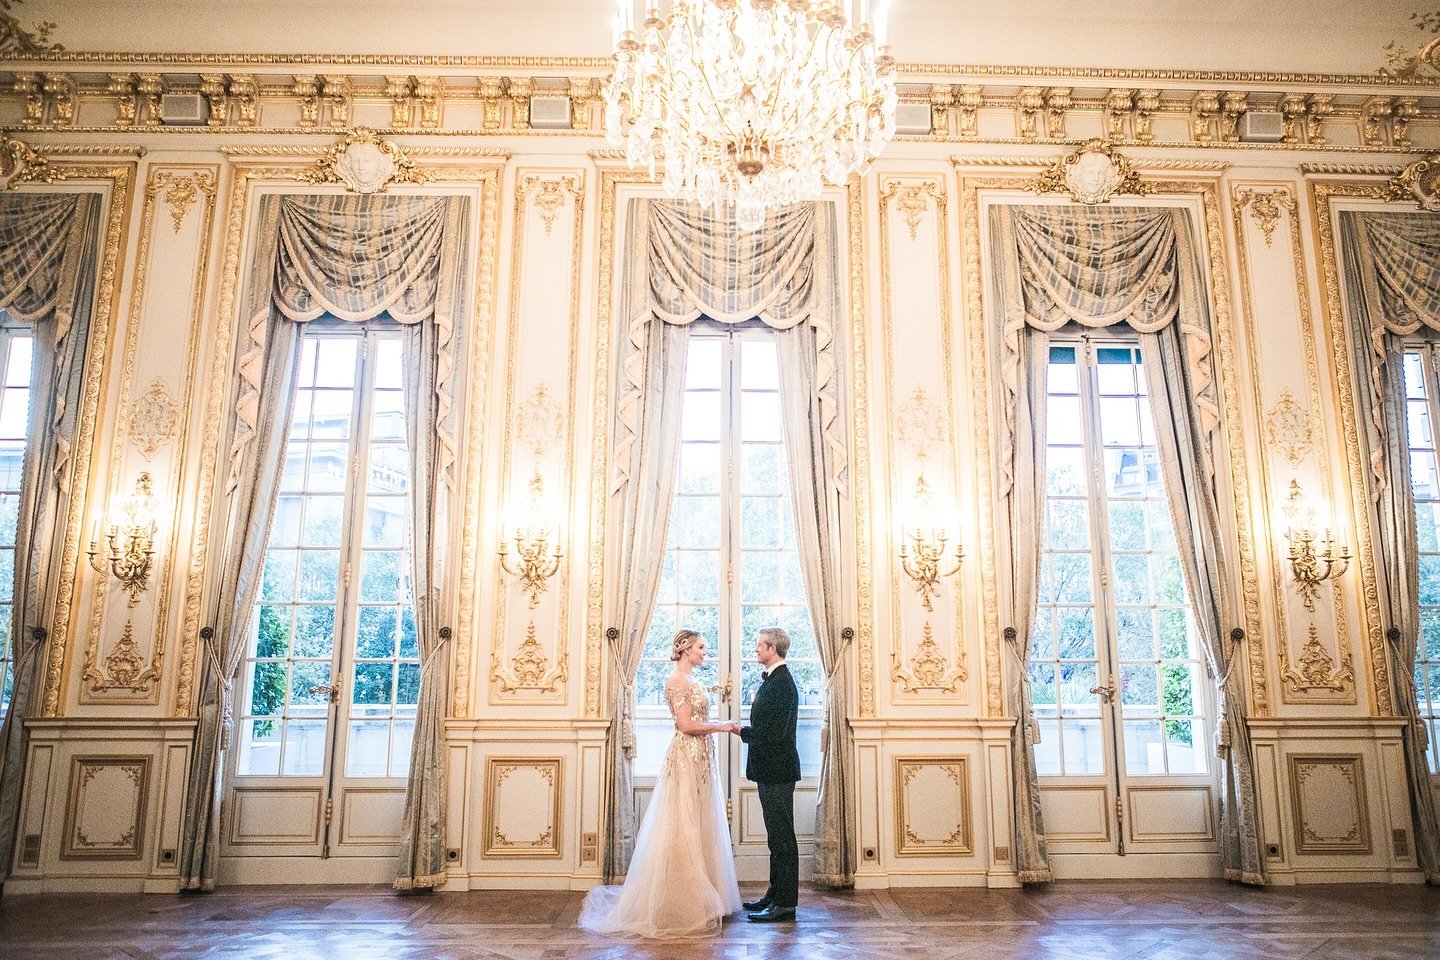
[(684, 640)]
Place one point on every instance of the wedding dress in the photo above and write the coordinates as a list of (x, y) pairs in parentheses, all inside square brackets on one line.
[(681, 880)]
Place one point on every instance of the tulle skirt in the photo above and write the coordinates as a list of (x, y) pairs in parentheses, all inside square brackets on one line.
[(681, 881)]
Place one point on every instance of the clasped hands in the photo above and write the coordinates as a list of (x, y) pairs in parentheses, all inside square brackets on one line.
[(730, 727)]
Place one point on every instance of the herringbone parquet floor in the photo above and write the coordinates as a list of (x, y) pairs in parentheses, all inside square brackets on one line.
[(1154, 920)]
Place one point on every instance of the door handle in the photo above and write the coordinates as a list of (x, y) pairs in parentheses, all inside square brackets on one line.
[(331, 691), (1106, 691), (725, 689)]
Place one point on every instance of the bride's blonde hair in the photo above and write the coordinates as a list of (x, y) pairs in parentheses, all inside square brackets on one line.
[(684, 640)]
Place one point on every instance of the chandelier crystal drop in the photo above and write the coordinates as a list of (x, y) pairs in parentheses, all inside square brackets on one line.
[(753, 103)]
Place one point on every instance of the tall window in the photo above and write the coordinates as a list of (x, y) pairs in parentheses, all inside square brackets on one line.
[(334, 623), (731, 564), (15, 354), (1422, 360), (1113, 623)]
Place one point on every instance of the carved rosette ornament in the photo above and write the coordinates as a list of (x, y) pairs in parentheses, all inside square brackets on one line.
[(920, 425), (1265, 209), (1092, 174), (20, 164), (364, 163), (1419, 182)]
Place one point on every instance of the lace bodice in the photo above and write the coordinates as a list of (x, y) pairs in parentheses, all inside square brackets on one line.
[(687, 755)]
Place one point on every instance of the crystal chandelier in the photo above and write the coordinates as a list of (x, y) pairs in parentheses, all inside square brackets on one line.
[(754, 103)]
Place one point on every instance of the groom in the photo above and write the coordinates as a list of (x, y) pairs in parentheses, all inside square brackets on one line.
[(774, 766)]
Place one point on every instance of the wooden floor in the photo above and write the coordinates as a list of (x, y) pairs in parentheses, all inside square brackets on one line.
[(1156, 920)]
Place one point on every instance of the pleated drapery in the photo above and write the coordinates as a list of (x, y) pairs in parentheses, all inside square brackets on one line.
[(1057, 266), (688, 265), (49, 248), (356, 258), (818, 538), (1392, 263)]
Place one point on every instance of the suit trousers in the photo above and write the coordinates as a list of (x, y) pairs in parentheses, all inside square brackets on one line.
[(777, 804)]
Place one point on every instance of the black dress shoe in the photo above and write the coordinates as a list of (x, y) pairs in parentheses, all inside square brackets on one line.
[(759, 903), (772, 914)]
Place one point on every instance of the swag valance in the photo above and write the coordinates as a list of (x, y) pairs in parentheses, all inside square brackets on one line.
[(40, 251), (1097, 268), (698, 265), (354, 257)]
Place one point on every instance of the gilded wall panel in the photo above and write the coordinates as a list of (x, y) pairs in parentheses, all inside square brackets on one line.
[(1312, 638), (529, 656), (932, 807), (125, 645), (522, 807), (927, 657), (106, 807), (1329, 808)]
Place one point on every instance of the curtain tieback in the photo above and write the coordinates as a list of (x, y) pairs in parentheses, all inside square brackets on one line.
[(445, 634)]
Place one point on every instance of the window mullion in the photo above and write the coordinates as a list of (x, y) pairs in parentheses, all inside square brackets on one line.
[(346, 613), (1102, 563)]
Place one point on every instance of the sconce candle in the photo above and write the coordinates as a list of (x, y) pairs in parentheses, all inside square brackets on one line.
[(130, 545), (1311, 565), (537, 562), (922, 561)]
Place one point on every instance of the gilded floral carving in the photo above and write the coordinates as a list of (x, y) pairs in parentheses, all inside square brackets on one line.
[(125, 668), (20, 164), (1265, 208), (1316, 668), (929, 668), (1289, 429)]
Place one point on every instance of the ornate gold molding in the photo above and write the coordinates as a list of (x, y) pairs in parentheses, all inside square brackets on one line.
[(181, 192), (1322, 193), (530, 668), (497, 842), (117, 180), (1317, 668), (246, 177), (152, 419), (125, 669), (864, 451), (20, 163), (908, 839), (1264, 208), (364, 163), (929, 669), (1419, 182), (913, 201), (1091, 174), (1227, 362), (1289, 428)]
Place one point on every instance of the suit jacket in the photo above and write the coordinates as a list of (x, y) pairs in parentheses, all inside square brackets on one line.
[(771, 734)]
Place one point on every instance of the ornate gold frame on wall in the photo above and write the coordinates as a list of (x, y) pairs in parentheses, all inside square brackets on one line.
[(288, 168), (979, 334), (1322, 192), (1270, 207), (180, 192), (596, 661), (932, 676), (114, 179), (546, 188)]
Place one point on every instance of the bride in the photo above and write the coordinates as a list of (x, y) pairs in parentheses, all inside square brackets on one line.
[(681, 880)]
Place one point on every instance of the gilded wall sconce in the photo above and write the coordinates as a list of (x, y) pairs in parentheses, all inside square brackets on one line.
[(130, 543), (924, 559), (537, 559), (1313, 559)]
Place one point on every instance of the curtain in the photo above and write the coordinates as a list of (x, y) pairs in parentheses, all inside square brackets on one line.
[(1096, 268), (354, 258), (1022, 507), (1195, 508), (49, 246), (430, 417), (1392, 261), (818, 538), (689, 265)]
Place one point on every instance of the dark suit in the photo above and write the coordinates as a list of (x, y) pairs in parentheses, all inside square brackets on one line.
[(774, 766)]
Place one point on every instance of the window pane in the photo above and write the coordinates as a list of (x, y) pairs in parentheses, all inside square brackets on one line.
[(704, 366), (758, 366), (699, 468), (760, 417)]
